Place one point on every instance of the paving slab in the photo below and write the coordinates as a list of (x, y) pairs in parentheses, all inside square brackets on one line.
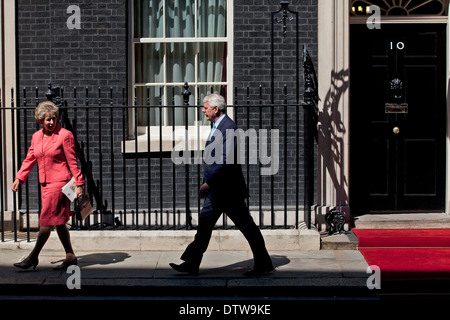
[(219, 269)]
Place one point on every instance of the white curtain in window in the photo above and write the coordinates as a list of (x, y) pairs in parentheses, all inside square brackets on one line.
[(211, 23), (149, 58), (180, 23), (212, 18)]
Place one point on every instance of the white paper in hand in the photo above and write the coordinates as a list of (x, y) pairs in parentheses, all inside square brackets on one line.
[(70, 189)]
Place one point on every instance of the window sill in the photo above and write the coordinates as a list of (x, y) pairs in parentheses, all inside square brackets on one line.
[(170, 139)]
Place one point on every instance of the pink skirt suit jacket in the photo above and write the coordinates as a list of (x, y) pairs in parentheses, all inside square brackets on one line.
[(57, 162)]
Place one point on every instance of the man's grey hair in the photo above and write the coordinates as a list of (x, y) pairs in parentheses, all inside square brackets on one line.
[(216, 100)]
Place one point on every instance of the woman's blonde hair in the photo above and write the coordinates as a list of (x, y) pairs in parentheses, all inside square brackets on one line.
[(43, 108)]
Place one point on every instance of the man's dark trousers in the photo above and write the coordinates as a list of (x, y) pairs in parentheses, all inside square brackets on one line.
[(237, 210)]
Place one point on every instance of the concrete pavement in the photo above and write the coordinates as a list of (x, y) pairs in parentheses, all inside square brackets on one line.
[(138, 262), (334, 276), (324, 272), (142, 283)]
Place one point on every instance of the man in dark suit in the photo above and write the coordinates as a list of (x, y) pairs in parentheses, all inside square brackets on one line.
[(225, 191)]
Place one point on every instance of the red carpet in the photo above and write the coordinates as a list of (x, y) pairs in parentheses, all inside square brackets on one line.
[(412, 254)]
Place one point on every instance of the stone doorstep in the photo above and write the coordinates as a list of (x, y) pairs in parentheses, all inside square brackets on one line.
[(143, 219), (344, 241), (145, 240)]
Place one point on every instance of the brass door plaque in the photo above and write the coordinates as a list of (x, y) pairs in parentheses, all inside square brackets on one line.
[(396, 107)]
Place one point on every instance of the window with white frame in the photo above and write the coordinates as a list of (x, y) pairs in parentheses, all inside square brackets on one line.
[(173, 42)]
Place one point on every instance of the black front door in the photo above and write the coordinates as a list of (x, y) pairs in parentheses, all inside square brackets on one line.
[(397, 117)]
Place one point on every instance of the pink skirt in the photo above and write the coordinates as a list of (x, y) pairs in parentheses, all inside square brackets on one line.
[(55, 205)]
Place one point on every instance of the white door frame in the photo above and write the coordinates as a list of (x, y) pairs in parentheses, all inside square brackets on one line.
[(7, 82), (334, 126)]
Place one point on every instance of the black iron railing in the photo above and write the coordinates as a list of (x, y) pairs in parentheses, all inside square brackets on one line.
[(132, 188), (132, 178)]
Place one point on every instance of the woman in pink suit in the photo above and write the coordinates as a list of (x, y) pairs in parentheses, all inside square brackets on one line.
[(53, 148)]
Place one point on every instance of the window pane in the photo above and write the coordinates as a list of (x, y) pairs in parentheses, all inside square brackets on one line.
[(149, 96), (148, 19), (174, 95), (149, 62), (180, 18), (212, 62), (180, 62), (212, 17), (167, 65)]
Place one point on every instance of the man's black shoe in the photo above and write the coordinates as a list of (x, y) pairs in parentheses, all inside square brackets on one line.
[(184, 268), (257, 272)]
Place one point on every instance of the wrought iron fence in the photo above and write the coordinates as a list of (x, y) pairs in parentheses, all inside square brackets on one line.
[(146, 181), (135, 173)]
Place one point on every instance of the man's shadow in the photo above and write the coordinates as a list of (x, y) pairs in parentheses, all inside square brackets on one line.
[(102, 258), (242, 266)]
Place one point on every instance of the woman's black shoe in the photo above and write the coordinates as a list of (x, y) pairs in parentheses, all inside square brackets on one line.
[(27, 265)]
